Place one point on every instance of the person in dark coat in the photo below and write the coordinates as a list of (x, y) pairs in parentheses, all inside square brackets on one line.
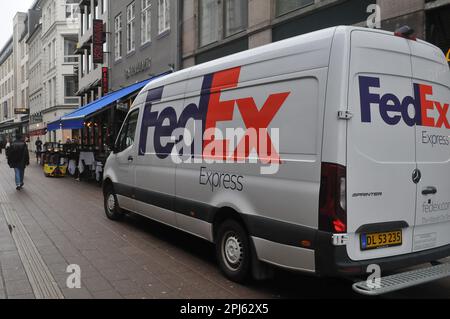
[(19, 159)]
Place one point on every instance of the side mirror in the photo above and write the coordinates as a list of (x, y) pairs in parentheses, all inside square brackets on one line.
[(113, 148)]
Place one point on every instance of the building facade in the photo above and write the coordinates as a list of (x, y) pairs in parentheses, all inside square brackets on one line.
[(20, 53), (6, 89), (430, 19), (144, 42), (60, 25), (212, 29), (92, 13), (35, 95)]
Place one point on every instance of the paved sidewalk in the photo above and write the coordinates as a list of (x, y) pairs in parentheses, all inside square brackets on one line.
[(66, 223), (135, 258)]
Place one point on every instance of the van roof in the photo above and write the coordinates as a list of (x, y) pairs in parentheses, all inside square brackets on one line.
[(318, 43)]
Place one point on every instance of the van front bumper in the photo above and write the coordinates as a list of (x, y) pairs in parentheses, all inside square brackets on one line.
[(333, 261)]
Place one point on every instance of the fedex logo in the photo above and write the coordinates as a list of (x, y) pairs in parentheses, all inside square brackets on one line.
[(171, 136), (393, 110)]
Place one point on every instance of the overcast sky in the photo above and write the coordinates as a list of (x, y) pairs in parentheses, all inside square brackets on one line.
[(8, 10)]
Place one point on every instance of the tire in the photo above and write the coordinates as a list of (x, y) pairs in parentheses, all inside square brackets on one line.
[(233, 251), (111, 204)]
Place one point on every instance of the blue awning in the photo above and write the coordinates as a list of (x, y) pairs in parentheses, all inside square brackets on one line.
[(76, 119)]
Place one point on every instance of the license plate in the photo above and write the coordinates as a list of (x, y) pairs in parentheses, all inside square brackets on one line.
[(381, 240)]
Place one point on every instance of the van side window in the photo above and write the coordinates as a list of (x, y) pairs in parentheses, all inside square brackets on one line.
[(128, 132)]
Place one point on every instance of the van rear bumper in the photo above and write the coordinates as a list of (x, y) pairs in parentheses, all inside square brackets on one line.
[(334, 261)]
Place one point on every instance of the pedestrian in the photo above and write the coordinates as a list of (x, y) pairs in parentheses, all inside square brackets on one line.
[(38, 145), (19, 159), (2, 145)]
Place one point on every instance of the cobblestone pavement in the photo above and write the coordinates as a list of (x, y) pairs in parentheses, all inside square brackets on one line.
[(135, 258)]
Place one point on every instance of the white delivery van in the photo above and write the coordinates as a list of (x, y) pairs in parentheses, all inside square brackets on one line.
[(324, 153)]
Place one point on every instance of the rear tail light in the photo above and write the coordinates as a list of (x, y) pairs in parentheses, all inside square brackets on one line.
[(406, 32), (333, 199)]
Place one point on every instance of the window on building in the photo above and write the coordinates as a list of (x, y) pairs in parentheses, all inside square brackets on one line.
[(104, 4), (54, 91), (55, 53), (72, 9), (23, 99), (236, 14), (88, 17), (89, 61), (70, 88), (82, 65), (50, 93), (22, 74), (163, 16), (146, 21), (50, 55), (131, 17), (118, 37), (5, 109), (208, 21), (82, 21), (285, 6), (96, 10), (70, 45)]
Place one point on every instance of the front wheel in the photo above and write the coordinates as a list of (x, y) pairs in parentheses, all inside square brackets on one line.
[(112, 208), (233, 251)]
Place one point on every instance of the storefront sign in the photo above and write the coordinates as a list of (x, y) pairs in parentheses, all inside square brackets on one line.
[(38, 132), (105, 81), (36, 118), (21, 111), (138, 68), (97, 42)]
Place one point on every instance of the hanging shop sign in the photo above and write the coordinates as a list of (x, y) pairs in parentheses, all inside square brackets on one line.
[(105, 81), (97, 42), (21, 111), (36, 118)]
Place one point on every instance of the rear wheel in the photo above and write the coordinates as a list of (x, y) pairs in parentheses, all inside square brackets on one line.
[(233, 251), (112, 208)]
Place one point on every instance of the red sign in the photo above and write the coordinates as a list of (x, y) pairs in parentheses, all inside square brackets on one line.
[(41, 132), (97, 42), (105, 82)]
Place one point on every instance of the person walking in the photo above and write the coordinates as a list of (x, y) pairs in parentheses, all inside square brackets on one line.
[(19, 159), (38, 145)]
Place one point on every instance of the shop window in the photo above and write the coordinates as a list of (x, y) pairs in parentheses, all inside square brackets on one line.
[(286, 6)]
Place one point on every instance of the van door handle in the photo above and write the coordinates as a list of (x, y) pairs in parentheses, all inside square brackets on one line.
[(430, 190), (130, 159)]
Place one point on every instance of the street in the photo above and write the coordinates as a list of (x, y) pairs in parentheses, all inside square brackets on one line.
[(134, 258)]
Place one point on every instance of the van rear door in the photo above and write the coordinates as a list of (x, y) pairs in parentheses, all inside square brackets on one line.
[(381, 159), (431, 77)]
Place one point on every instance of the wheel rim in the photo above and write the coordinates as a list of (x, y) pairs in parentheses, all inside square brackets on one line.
[(111, 203), (232, 251)]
